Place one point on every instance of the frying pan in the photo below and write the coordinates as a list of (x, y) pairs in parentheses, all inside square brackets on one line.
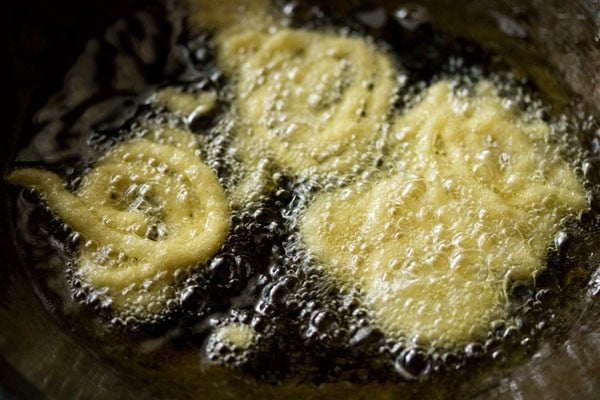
[(555, 43)]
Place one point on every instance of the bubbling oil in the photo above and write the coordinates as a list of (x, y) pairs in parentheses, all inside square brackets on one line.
[(263, 306)]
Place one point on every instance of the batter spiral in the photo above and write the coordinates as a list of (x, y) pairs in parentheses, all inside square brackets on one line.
[(314, 102), (475, 206), (144, 210)]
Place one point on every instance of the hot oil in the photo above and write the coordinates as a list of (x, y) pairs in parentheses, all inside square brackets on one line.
[(294, 323)]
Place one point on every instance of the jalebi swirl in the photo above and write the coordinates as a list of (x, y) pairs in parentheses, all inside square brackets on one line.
[(146, 209), (314, 102), (475, 206)]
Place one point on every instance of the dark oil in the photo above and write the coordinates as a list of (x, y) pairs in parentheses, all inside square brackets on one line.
[(308, 332)]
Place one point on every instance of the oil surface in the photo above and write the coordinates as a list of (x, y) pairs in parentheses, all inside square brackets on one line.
[(260, 311)]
